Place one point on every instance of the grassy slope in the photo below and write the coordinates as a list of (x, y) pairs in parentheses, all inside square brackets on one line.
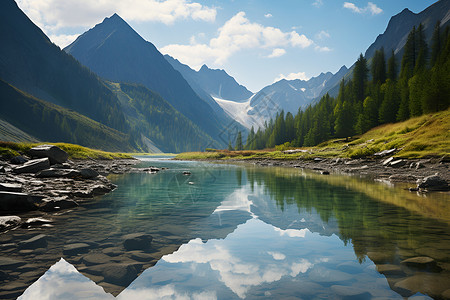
[(424, 136), (49, 122), (9, 149)]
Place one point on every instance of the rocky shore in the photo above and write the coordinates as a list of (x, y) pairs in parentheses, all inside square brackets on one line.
[(423, 175), (46, 180)]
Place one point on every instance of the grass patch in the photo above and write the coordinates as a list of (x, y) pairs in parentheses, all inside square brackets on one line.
[(9, 149), (420, 137)]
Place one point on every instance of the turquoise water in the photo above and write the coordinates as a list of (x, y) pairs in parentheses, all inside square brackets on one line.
[(242, 232)]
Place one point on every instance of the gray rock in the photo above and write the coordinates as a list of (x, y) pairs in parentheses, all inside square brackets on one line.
[(8, 263), (88, 173), (33, 166), (433, 183), (55, 154), (68, 173), (385, 152), (325, 172), (10, 201), (421, 262), (77, 248), (18, 160), (2, 169), (388, 269), (120, 274), (402, 177), (36, 222), (398, 163), (95, 259), (137, 241), (187, 173), (7, 222), (10, 187), (38, 241), (387, 161), (51, 205)]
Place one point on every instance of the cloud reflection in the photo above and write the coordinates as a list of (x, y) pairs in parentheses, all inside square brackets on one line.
[(241, 268)]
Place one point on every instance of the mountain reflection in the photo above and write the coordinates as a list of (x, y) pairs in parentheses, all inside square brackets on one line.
[(227, 232)]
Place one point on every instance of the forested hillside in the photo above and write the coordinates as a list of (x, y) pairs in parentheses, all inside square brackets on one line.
[(49, 122), (380, 91)]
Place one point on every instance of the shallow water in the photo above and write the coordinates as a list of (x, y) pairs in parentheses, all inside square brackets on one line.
[(243, 232)]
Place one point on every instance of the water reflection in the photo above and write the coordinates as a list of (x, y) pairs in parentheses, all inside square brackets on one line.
[(226, 232)]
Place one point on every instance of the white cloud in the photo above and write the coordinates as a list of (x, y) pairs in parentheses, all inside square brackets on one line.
[(291, 76), (237, 34), (268, 16), (277, 52), (322, 35), (371, 8), (318, 3), (322, 49), (53, 15), (374, 9), (63, 40)]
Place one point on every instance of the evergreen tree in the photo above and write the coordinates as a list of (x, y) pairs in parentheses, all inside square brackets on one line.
[(389, 105), (435, 43), (230, 147), (378, 67), (392, 67), (360, 78), (369, 117), (250, 138), (239, 145), (421, 50), (409, 56)]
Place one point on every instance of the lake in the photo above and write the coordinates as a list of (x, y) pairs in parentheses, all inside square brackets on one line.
[(239, 232)]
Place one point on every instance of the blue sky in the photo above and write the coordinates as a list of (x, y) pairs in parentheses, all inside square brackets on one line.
[(255, 41)]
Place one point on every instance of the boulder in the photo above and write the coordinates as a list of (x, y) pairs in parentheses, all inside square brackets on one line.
[(33, 166), (398, 163), (88, 173), (36, 222), (38, 241), (55, 154), (11, 201), (7, 222), (18, 160), (10, 187), (433, 183), (55, 204), (385, 152), (69, 173), (74, 249), (387, 161), (186, 173), (420, 262), (137, 241), (2, 169), (115, 273)]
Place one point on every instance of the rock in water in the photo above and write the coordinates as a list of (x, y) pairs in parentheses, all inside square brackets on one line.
[(10, 201), (55, 154), (7, 222), (433, 183), (33, 166), (137, 241), (38, 241)]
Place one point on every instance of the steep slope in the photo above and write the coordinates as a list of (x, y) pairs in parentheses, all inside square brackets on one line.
[(397, 30), (114, 51), (155, 121), (50, 122), (399, 26), (31, 62)]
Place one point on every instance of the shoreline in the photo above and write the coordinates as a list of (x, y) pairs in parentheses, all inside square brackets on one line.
[(396, 170)]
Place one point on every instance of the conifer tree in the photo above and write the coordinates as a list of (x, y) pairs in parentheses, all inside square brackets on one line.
[(378, 67), (360, 78), (239, 145), (392, 68), (435, 43)]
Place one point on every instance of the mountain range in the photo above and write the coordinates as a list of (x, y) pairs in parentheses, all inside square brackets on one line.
[(113, 84)]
